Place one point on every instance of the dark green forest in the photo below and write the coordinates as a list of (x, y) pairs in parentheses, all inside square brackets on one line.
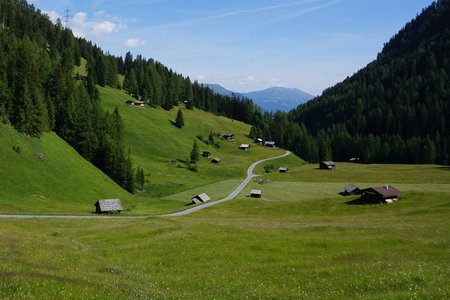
[(395, 110)]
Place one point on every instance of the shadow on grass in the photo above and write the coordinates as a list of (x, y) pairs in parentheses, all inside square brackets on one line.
[(174, 124), (358, 201), (443, 168)]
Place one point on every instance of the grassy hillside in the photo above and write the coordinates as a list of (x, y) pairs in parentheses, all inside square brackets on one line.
[(161, 148), (45, 175), (301, 240)]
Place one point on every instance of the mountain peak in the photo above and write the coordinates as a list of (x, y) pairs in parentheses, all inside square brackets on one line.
[(269, 99)]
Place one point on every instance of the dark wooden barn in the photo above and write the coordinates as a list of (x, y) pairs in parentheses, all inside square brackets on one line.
[(108, 206), (216, 160), (351, 189), (201, 198), (206, 154), (327, 165), (256, 193), (283, 169), (384, 194)]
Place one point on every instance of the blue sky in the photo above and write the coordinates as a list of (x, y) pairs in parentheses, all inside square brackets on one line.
[(244, 45)]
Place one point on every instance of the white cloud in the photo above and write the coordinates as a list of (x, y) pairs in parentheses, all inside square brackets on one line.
[(83, 26), (131, 43), (53, 15)]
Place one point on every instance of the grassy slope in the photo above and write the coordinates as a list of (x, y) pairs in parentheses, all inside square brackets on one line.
[(62, 182), (160, 148), (301, 240)]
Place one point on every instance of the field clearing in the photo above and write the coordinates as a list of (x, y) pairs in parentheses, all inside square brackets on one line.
[(161, 149), (301, 240)]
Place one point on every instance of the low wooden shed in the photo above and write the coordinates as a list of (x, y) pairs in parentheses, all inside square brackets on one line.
[(201, 198), (351, 189), (327, 165), (206, 154), (256, 193), (383, 194), (108, 206), (283, 169), (227, 136), (270, 144), (244, 146), (216, 160)]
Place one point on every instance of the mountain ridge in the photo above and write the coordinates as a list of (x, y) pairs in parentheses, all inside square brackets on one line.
[(269, 99)]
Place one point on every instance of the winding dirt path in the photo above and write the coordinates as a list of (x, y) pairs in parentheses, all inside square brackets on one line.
[(231, 196)]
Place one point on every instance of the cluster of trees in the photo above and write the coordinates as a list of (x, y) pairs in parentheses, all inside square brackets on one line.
[(394, 110), (38, 92)]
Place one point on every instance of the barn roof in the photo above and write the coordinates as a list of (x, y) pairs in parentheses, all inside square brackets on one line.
[(328, 163), (216, 159), (283, 169), (201, 198), (244, 146), (255, 192), (109, 205), (386, 191), (350, 188), (269, 143)]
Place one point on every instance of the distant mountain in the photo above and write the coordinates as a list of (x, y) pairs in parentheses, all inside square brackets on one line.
[(279, 98), (271, 99)]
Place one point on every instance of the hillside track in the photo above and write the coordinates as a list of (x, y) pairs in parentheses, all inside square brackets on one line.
[(232, 195)]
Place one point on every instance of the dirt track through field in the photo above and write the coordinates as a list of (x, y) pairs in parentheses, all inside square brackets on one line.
[(231, 196)]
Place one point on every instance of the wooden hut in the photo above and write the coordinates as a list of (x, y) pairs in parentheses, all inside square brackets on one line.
[(256, 193), (244, 146), (258, 140), (108, 205), (216, 160), (351, 189), (227, 136), (201, 198), (206, 154), (327, 165), (270, 144), (384, 194), (283, 169)]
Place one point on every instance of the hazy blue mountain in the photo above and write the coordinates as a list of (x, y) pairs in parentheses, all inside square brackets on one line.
[(271, 99)]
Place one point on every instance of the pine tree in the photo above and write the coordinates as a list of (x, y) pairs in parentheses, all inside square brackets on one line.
[(195, 153), (179, 121)]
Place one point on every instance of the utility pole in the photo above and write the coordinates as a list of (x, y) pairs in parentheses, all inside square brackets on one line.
[(67, 17)]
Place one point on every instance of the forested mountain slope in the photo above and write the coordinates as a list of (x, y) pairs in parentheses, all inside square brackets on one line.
[(397, 108)]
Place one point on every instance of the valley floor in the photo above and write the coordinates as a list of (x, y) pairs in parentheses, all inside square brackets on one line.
[(300, 240)]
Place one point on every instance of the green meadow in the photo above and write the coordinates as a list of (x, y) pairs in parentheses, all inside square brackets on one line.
[(300, 240)]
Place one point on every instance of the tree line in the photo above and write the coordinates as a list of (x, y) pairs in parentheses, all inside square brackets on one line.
[(39, 93), (395, 110)]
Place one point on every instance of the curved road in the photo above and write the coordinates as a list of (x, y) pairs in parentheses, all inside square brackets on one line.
[(233, 194)]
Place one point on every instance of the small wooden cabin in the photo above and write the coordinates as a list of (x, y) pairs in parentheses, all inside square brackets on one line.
[(206, 154), (270, 144), (129, 102), (139, 103), (227, 136), (258, 140), (327, 165), (384, 194), (256, 193), (351, 189), (216, 160), (108, 206), (201, 198), (283, 169), (244, 146)]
